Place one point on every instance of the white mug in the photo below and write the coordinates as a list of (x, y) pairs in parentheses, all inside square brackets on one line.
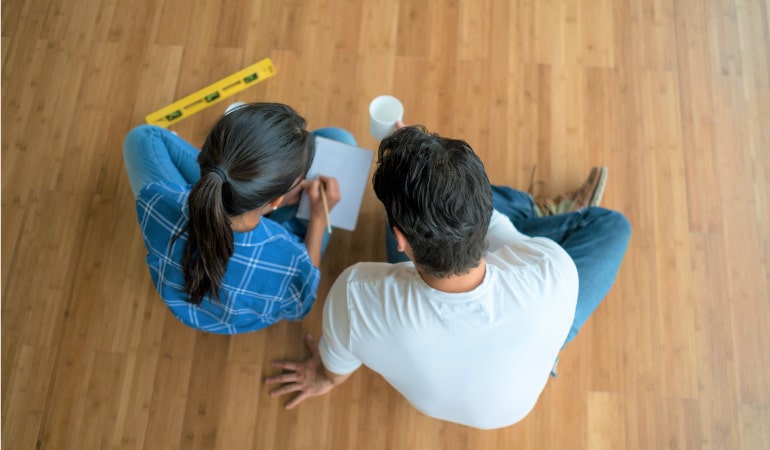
[(384, 112)]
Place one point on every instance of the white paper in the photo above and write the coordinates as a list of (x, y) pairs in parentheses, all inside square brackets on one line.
[(350, 166)]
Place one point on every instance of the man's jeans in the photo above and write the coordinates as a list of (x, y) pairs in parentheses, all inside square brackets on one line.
[(596, 239), (155, 154)]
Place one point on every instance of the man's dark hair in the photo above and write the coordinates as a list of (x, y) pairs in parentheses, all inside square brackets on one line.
[(436, 192)]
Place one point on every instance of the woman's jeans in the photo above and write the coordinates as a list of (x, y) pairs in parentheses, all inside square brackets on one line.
[(155, 154), (595, 238)]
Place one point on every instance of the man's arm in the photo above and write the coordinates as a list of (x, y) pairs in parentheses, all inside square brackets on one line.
[(310, 378)]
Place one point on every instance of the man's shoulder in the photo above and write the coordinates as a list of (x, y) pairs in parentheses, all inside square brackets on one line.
[(538, 267), (373, 278), (376, 272), (536, 251)]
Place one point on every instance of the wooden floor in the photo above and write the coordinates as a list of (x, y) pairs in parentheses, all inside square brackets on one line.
[(673, 96)]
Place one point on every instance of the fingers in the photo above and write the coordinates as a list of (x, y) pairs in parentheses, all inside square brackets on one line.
[(288, 365), (400, 124), (312, 189), (284, 378), (286, 389), (332, 188), (331, 185), (297, 400), (289, 388)]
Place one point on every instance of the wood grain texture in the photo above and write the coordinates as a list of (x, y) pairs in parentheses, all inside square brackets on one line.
[(673, 96)]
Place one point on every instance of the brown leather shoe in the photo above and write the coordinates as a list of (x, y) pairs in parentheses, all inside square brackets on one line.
[(589, 194)]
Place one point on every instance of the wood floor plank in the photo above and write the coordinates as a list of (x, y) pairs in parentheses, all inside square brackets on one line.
[(97, 410), (569, 396), (25, 400), (755, 431), (716, 382), (200, 428), (746, 281), (697, 118), (680, 427), (606, 420), (674, 294), (240, 394), (168, 404)]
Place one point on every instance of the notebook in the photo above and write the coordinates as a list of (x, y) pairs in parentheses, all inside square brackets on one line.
[(350, 166)]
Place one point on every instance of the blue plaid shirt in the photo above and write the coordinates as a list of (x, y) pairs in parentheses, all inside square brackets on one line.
[(270, 276)]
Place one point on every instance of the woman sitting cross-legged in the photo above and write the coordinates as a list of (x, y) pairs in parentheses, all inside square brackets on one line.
[(226, 253)]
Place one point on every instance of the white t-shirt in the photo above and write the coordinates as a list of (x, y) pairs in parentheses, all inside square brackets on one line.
[(478, 358)]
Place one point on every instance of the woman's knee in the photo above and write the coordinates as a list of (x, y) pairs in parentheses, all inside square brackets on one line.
[(336, 134), (137, 138)]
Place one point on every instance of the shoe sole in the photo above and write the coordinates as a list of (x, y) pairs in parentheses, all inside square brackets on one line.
[(600, 185)]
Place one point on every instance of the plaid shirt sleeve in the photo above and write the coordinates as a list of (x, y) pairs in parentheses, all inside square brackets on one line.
[(270, 276)]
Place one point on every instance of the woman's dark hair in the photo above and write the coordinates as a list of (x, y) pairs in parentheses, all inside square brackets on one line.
[(252, 156), (436, 191)]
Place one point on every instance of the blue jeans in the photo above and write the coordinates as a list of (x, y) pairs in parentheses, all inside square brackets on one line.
[(153, 154), (595, 238)]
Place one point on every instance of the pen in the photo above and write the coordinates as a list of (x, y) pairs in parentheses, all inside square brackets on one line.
[(326, 209)]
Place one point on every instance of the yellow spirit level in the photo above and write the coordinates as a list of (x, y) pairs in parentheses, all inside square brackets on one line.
[(212, 94)]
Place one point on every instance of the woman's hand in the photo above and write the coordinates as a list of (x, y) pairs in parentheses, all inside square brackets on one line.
[(318, 218), (313, 190)]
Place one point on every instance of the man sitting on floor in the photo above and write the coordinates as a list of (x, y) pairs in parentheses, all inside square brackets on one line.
[(494, 285)]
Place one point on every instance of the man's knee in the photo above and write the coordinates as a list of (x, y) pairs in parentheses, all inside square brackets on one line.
[(621, 224), (614, 225)]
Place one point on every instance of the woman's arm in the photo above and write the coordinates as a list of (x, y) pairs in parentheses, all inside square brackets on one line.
[(317, 224)]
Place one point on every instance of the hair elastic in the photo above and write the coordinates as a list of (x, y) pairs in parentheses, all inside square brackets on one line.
[(221, 174)]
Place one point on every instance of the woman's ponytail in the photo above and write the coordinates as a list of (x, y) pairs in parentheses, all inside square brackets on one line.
[(210, 238)]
